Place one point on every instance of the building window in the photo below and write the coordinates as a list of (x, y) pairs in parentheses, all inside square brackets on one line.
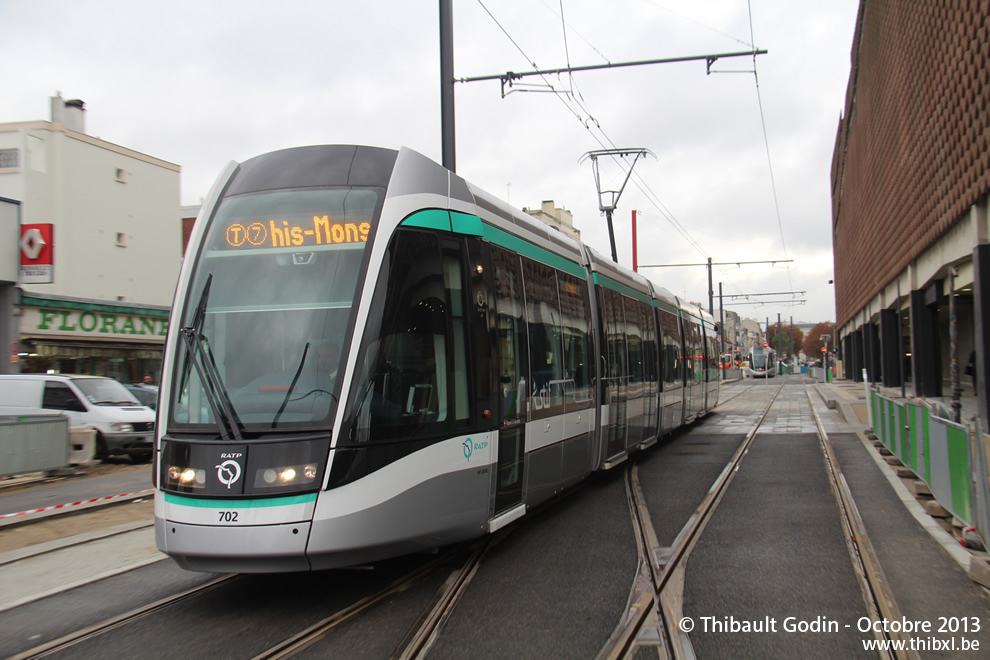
[(9, 158), (121, 239), (121, 175)]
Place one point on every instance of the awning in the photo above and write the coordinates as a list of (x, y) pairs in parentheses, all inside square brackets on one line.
[(98, 349)]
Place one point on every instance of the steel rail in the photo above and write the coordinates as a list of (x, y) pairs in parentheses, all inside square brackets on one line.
[(877, 593), (666, 566), (81, 635), (423, 634), (319, 630)]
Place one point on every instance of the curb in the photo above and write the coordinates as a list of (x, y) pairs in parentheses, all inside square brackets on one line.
[(962, 556)]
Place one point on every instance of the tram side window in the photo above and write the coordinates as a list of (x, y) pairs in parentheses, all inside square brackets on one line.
[(649, 345), (413, 378), (634, 341), (576, 322), (546, 359), (513, 388), (712, 358), (453, 283), (671, 349), (692, 346), (615, 337)]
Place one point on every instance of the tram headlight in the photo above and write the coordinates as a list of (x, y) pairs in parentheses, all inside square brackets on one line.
[(287, 476), (185, 477)]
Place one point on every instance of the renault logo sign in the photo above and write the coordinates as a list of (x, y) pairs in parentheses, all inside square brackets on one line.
[(32, 243), (37, 254)]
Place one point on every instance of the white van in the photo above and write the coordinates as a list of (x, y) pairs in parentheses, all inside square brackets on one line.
[(123, 426)]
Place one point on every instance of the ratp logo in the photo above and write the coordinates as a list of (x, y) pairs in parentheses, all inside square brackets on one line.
[(228, 472), (470, 446)]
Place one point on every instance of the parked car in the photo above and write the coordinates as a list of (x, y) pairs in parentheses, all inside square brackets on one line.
[(123, 425), (146, 394)]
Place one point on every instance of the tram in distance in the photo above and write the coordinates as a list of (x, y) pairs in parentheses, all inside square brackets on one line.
[(762, 362), (371, 357)]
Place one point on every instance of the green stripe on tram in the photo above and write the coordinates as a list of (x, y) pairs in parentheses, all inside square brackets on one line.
[(240, 504), (430, 219), (624, 289), (471, 225)]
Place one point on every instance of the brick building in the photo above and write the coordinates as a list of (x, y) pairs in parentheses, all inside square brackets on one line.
[(910, 181)]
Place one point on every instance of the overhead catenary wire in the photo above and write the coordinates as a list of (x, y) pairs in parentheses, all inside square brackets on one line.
[(766, 144), (699, 23), (577, 106), (638, 181), (571, 27)]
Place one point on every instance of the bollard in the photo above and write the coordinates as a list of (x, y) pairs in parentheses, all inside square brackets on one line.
[(82, 445)]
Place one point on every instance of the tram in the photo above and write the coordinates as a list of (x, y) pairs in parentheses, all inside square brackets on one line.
[(762, 362), (369, 356)]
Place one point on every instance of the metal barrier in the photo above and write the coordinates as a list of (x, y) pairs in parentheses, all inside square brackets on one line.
[(821, 374), (33, 443), (937, 450)]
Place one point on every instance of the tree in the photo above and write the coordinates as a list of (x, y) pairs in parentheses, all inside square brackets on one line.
[(813, 343), (785, 338)]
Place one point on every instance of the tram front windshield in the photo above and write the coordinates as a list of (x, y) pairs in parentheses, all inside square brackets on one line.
[(269, 310), (759, 360)]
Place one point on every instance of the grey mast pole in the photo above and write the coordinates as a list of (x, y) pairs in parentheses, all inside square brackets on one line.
[(447, 85)]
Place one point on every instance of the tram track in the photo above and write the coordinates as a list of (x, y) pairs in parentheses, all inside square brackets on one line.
[(877, 593), (422, 634), (68, 641), (655, 599), (654, 606), (415, 644)]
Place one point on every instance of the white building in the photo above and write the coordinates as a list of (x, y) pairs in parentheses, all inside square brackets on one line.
[(113, 217), (555, 217)]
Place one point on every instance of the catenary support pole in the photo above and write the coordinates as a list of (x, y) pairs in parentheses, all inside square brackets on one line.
[(711, 294), (447, 85), (721, 330)]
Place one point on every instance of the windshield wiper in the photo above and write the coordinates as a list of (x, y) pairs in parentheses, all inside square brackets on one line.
[(292, 386), (206, 367), (197, 317)]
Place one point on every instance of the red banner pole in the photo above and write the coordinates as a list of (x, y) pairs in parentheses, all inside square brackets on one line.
[(635, 260)]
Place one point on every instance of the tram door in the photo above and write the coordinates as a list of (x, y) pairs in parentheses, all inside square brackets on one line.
[(514, 379), (616, 374)]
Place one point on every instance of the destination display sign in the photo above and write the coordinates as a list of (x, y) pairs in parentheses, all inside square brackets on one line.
[(322, 230)]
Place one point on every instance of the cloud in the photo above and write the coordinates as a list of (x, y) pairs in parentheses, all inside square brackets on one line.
[(201, 83)]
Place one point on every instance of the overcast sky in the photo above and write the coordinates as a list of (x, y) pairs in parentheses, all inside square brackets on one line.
[(201, 83)]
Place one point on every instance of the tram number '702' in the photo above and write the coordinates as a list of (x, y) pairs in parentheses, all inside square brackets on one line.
[(227, 516)]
